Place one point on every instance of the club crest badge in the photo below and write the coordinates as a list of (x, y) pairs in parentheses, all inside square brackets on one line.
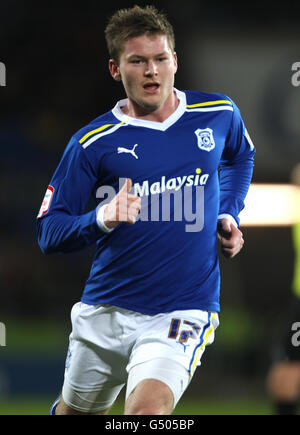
[(205, 139), (46, 201)]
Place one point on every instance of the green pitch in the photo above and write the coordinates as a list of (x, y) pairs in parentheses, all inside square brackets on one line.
[(220, 406)]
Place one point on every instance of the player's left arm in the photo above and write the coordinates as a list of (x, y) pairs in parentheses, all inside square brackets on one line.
[(235, 175)]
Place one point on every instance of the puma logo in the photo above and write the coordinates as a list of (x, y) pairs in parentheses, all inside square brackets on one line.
[(126, 150), (184, 345)]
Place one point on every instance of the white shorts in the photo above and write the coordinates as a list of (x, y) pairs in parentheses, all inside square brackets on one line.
[(111, 346)]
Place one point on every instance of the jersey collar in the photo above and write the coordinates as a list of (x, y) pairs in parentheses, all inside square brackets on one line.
[(117, 112)]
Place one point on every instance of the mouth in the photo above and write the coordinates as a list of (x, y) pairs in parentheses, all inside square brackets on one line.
[(151, 87)]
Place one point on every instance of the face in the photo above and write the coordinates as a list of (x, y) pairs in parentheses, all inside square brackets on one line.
[(147, 68)]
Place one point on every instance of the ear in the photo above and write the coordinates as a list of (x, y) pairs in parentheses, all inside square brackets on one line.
[(175, 62), (114, 70)]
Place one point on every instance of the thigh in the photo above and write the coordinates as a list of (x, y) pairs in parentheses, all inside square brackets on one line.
[(150, 397), (179, 336), (88, 402), (168, 349), (95, 365), (156, 385)]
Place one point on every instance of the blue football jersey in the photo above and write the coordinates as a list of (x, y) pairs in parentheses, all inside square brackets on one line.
[(188, 170)]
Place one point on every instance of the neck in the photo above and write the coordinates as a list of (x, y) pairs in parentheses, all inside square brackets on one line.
[(159, 114)]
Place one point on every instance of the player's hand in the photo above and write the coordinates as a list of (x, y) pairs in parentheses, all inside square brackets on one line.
[(124, 207), (231, 238)]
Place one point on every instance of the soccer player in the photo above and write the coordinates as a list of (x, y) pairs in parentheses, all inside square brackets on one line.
[(174, 168), (283, 380)]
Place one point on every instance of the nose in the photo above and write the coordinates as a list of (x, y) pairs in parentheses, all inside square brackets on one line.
[(151, 69)]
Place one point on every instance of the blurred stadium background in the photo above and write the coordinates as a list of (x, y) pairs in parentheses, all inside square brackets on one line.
[(57, 81)]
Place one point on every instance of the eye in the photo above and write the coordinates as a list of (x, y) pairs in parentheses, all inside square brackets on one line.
[(136, 61)]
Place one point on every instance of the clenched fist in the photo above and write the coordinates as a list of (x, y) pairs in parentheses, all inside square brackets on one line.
[(231, 238)]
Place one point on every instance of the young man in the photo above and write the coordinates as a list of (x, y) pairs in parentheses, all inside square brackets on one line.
[(150, 305), (283, 380)]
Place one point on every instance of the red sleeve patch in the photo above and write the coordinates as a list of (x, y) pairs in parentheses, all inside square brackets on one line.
[(46, 201)]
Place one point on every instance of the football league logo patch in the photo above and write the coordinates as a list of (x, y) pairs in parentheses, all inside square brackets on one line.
[(46, 201), (205, 139)]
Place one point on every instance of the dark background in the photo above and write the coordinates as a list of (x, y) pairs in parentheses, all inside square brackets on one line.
[(57, 81)]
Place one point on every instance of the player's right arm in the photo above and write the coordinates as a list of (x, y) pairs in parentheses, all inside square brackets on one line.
[(63, 225)]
